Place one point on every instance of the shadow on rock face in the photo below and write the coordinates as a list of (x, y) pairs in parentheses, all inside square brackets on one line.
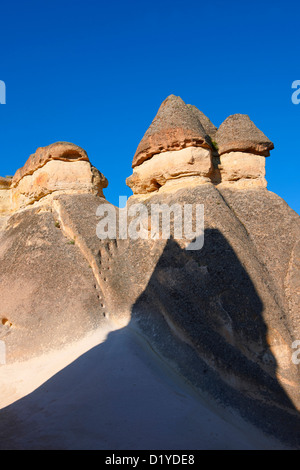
[(120, 395), (194, 350), (202, 313)]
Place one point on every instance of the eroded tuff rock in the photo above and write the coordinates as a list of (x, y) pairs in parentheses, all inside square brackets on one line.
[(5, 183), (178, 144), (239, 133), (5, 199), (169, 166), (175, 127), (242, 170), (235, 156), (48, 292), (62, 167), (209, 128), (63, 151), (227, 301), (224, 317)]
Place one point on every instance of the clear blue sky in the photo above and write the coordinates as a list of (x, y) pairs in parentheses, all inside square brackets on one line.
[(95, 72)]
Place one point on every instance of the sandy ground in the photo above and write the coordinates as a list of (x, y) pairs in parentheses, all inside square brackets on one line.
[(111, 391)]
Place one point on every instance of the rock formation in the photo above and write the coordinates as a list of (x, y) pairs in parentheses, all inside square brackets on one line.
[(241, 147), (209, 128), (166, 167), (175, 127), (224, 317), (231, 155), (5, 201), (61, 167), (238, 134), (40, 263)]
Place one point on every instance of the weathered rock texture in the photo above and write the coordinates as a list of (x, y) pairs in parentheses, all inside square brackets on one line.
[(5, 195), (5, 183), (243, 170), (48, 291), (168, 166), (234, 157), (175, 127), (63, 151), (224, 317), (239, 133), (61, 167), (209, 128), (230, 301)]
